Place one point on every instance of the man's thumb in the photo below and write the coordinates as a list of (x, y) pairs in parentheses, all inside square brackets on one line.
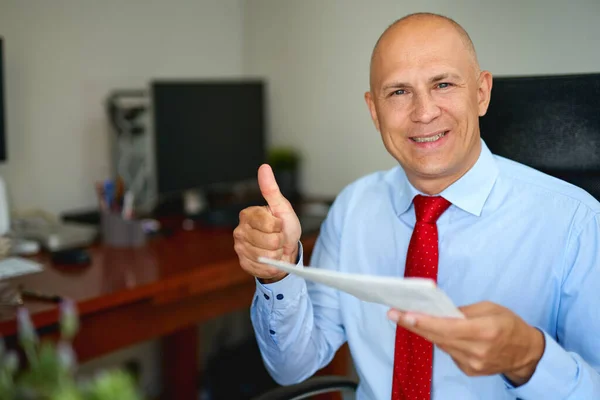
[(270, 190)]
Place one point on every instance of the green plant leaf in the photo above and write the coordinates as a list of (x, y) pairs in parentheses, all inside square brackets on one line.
[(50, 374), (283, 158), (113, 385)]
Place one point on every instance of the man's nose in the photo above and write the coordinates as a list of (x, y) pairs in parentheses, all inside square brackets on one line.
[(424, 109)]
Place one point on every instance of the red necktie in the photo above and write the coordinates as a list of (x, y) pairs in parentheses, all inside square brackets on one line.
[(413, 355)]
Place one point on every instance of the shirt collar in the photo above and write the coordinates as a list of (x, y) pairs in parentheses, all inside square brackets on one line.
[(469, 193)]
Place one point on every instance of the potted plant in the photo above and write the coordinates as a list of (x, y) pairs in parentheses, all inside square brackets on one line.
[(51, 367), (285, 162)]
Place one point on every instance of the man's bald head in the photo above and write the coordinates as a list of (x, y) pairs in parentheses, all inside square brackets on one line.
[(427, 95), (405, 24)]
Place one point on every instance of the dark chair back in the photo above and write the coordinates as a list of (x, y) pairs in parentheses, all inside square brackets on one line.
[(551, 123)]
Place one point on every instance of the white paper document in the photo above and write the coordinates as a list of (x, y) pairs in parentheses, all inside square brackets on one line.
[(406, 294), (17, 266)]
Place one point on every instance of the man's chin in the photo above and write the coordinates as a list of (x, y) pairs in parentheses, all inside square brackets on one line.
[(433, 178), (432, 169)]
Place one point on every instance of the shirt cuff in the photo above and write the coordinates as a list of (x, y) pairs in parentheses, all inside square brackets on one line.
[(280, 294), (554, 377)]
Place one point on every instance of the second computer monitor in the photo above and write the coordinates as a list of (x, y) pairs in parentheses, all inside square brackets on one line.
[(207, 133)]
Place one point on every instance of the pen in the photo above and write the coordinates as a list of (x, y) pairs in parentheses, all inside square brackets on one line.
[(109, 193), (128, 205), (100, 194), (119, 189)]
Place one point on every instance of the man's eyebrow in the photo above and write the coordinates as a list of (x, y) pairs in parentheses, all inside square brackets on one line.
[(444, 76), (396, 85)]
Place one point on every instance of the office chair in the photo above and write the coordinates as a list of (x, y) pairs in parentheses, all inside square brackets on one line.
[(311, 387), (550, 123)]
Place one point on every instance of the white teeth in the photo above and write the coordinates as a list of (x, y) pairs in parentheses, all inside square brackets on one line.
[(429, 139)]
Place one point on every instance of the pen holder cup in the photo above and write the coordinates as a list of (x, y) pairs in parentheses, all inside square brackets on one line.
[(120, 232)]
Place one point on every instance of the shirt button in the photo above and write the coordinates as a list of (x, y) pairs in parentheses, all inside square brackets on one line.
[(279, 296), (271, 331), (266, 296)]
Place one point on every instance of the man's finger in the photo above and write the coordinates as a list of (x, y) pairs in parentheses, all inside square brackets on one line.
[(436, 328), (479, 309), (449, 344), (266, 222), (254, 253), (262, 271), (270, 191), (266, 241)]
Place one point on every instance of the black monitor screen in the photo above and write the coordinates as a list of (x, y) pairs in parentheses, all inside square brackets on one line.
[(207, 133), (551, 123), (2, 119)]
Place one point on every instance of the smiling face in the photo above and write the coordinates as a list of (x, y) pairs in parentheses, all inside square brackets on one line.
[(426, 98)]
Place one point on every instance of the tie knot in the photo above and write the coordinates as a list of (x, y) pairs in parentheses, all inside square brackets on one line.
[(429, 209)]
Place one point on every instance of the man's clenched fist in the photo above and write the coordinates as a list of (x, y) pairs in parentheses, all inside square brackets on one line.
[(272, 231)]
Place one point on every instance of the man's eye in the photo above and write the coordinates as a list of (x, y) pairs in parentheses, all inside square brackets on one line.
[(399, 92), (444, 85)]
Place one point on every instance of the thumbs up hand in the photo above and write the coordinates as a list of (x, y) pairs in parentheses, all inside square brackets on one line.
[(272, 231)]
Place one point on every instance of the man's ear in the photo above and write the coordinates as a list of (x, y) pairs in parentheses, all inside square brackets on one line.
[(372, 109), (484, 91)]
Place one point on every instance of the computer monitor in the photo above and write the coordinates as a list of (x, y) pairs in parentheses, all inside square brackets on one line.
[(551, 123), (2, 110), (207, 133)]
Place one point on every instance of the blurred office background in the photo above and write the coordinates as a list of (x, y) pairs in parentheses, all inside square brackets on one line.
[(64, 57)]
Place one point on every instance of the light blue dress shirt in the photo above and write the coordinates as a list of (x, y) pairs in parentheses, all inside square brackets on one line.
[(512, 235)]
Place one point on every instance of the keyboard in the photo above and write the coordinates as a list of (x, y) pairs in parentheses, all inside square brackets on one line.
[(55, 236)]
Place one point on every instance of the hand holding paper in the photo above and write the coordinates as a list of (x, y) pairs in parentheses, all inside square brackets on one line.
[(406, 294)]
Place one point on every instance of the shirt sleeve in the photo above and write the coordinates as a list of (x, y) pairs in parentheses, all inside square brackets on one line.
[(298, 324), (570, 365)]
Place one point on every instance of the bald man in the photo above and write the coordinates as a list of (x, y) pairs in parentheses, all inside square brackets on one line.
[(517, 250)]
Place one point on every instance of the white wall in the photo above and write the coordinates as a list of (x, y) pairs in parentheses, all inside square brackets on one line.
[(64, 56), (315, 54)]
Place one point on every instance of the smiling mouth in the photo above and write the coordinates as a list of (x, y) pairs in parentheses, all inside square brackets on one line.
[(429, 139)]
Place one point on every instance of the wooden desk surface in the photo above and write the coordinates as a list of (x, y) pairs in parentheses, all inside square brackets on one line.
[(163, 289), (123, 275), (166, 271)]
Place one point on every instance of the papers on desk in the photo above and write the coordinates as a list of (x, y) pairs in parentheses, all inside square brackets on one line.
[(17, 266), (406, 294)]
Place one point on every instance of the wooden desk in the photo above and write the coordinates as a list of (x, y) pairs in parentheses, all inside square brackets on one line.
[(164, 289)]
